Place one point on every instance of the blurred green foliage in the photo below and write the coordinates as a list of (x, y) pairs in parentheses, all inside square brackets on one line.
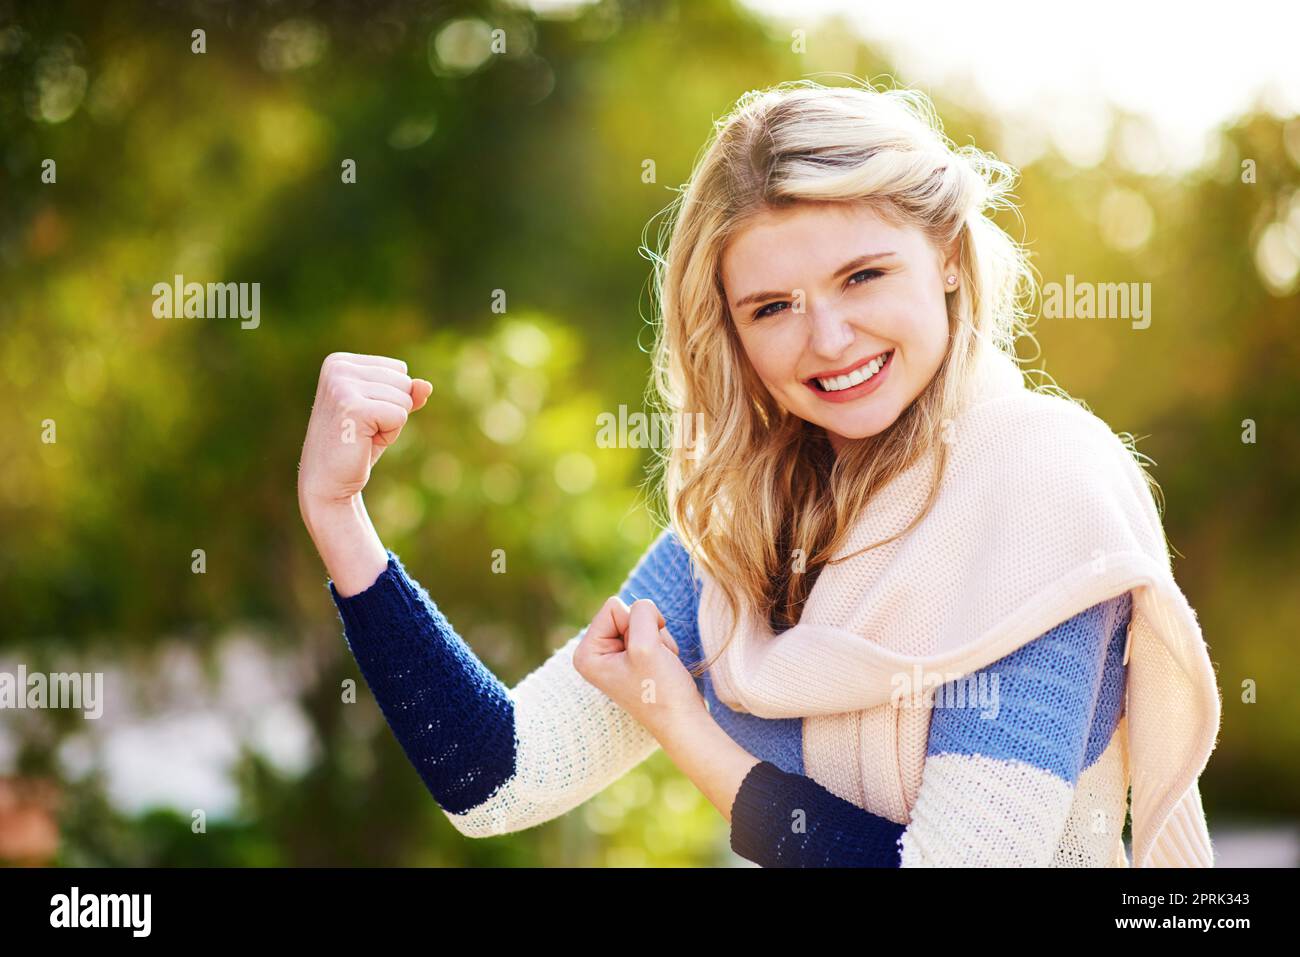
[(522, 172)]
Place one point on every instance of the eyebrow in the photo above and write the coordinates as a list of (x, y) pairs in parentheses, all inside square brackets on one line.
[(849, 266)]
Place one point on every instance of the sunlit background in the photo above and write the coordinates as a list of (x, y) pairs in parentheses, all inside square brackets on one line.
[(1157, 146)]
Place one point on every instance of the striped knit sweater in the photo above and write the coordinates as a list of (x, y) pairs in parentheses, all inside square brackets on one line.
[(499, 760)]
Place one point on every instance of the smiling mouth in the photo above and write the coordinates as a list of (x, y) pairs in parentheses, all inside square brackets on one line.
[(863, 373)]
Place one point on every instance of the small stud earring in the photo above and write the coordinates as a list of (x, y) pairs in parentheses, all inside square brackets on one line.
[(952, 280)]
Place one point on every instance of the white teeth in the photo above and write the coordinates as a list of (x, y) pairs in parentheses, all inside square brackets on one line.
[(857, 376)]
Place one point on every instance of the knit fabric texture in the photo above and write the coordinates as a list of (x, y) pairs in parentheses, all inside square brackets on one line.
[(1019, 778)]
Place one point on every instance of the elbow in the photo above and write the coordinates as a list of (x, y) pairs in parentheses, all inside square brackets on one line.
[(479, 822), (503, 812)]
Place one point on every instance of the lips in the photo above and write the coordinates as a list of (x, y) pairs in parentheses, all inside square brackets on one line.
[(847, 369), (862, 380)]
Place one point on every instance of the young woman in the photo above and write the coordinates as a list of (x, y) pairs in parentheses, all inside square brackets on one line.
[(877, 518)]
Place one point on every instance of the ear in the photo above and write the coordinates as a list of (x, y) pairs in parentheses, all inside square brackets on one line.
[(952, 265)]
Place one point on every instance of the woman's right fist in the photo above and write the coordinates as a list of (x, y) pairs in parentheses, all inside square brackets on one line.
[(361, 404)]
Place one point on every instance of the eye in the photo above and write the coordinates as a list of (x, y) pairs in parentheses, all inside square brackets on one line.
[(764, 311), (865, 276), (869, 273)]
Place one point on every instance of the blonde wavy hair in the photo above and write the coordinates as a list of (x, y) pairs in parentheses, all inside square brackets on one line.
[(756, 482)]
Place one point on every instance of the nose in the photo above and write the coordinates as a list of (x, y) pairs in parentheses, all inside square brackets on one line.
[(830, 330)]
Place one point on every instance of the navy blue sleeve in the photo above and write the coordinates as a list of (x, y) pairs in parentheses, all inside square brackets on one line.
[(789, 820), (452, 716)]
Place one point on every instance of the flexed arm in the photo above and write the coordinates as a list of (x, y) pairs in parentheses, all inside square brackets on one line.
[(500, 759), (495, 759)]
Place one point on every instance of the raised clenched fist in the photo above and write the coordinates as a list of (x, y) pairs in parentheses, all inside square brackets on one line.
[(362, 403)]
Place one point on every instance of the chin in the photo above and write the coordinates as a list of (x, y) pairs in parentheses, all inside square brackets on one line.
[(862, 426)]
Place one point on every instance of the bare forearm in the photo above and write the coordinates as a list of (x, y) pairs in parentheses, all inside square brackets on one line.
[(709, 757), (347, 542)]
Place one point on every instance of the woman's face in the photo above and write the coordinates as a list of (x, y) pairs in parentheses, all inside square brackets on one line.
[(841, 312)]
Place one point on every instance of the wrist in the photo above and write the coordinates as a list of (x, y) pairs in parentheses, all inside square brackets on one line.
[(682, 725), (322, 514), (347, 542)]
